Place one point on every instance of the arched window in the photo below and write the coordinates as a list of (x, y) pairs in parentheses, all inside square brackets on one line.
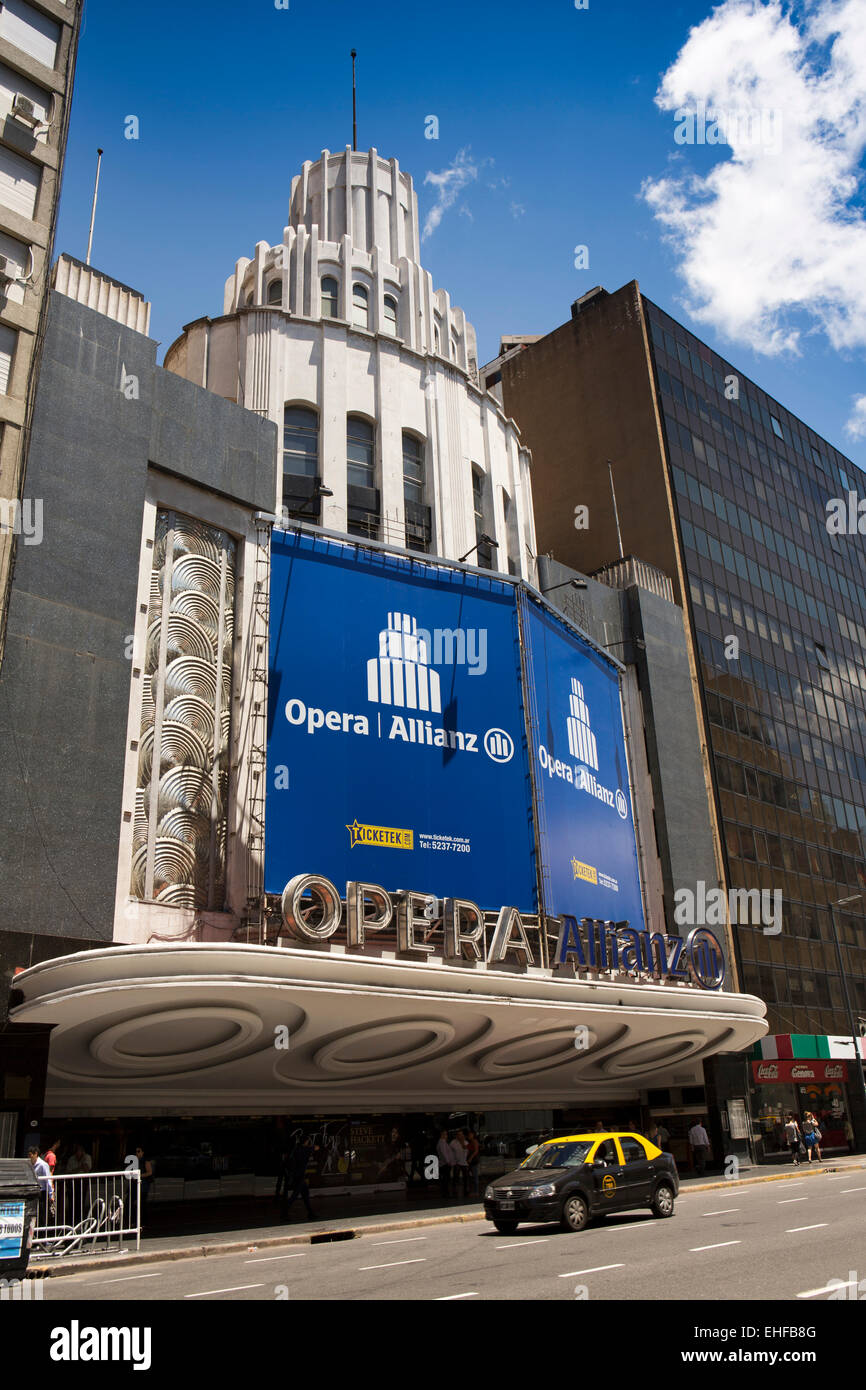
[(418, 517), (360, 306), (437, 339), (360, 450), (275, 292), (250, 300), (483, 551), (330, 298), (455, 347), (300, 441), (390, 314), (413, 468)]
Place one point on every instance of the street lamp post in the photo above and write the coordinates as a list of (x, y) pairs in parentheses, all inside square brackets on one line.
[(483, 539), (566, 584), (858, 1065)]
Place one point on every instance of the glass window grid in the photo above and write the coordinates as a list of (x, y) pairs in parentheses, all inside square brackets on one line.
[(300, 441), (413, 468), (737, 514), (360, 444), (330, 297), (360, 305), (675, 385), (795, 651), (667, 336), (845, 706)]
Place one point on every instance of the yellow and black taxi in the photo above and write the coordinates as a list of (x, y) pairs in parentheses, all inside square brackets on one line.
[(572, 1180)]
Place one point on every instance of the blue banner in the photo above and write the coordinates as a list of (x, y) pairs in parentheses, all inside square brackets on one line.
[(397, 749), (585, 816)]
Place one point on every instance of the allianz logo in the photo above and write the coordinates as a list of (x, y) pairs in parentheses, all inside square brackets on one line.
[(400, 674), (583, 748), (403, 677), (581, 739)]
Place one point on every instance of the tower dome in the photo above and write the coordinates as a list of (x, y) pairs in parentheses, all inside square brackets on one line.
[(337, 334)]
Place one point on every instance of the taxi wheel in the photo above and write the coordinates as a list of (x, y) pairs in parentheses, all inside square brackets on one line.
[(506, 1228), (663, 1201), (575, 1213)]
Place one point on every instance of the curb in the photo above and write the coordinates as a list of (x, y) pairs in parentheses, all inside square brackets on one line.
[(349, 1232)]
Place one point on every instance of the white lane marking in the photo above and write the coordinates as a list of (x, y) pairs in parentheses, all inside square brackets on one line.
[(724, 1211), (234, 1289), (793, 1229), (533, 1240), (695, 1248), (404, 1240), (785, 1201), (268, 1259), (448, 1297), (851, 1189), (831, 1288), (596, 1269), (391, 1264), (124, 1279)]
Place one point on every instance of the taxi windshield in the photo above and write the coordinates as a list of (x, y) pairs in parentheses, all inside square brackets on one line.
[(569, 1154)]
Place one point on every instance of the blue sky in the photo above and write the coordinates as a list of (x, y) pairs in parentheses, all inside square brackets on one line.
[(552, 107)]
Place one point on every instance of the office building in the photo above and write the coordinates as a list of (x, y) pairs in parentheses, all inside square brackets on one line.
[(38, 43), (678, 457)]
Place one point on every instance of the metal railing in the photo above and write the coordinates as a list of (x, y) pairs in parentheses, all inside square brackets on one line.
[(89, 1212)]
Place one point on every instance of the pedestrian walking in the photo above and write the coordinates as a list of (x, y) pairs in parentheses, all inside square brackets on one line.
[(284, 1176), (700, 1142), (42, 1173), (445, 1155), (79, 1161), (812, 1136), (145, 1168), (417, 1156), (51, 1154), (460, 1169), (793, 1138), (299, 1161), (473, 1158)]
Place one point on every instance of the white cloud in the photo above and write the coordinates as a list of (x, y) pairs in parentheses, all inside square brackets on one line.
[(517, 209), (855, 425), (449, 184), (775, 232)]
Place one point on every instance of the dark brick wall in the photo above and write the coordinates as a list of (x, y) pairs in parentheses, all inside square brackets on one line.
[(581, 395)]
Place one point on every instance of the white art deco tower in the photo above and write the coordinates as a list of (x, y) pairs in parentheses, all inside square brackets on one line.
[(338, 336)]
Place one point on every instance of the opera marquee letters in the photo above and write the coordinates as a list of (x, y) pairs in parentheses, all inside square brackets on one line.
[(455, 929)]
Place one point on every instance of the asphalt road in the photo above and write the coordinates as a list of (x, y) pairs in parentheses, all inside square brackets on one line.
[(778, 1240)]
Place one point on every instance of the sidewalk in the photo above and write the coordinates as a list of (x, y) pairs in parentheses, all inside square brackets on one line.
[(243, 1226)]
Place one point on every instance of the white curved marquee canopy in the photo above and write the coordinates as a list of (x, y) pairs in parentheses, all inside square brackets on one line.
[(204, 1028)]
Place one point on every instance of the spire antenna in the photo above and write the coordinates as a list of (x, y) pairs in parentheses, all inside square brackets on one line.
[(93, 208), (354, 104)]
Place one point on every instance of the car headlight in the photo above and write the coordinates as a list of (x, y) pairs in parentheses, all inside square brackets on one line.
[(488, 1194), (546, 1189)]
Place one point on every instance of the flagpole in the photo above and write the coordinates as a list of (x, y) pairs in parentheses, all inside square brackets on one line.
[(354, 105)]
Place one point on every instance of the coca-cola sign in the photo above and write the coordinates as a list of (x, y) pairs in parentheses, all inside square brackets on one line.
[(789, 1069)]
